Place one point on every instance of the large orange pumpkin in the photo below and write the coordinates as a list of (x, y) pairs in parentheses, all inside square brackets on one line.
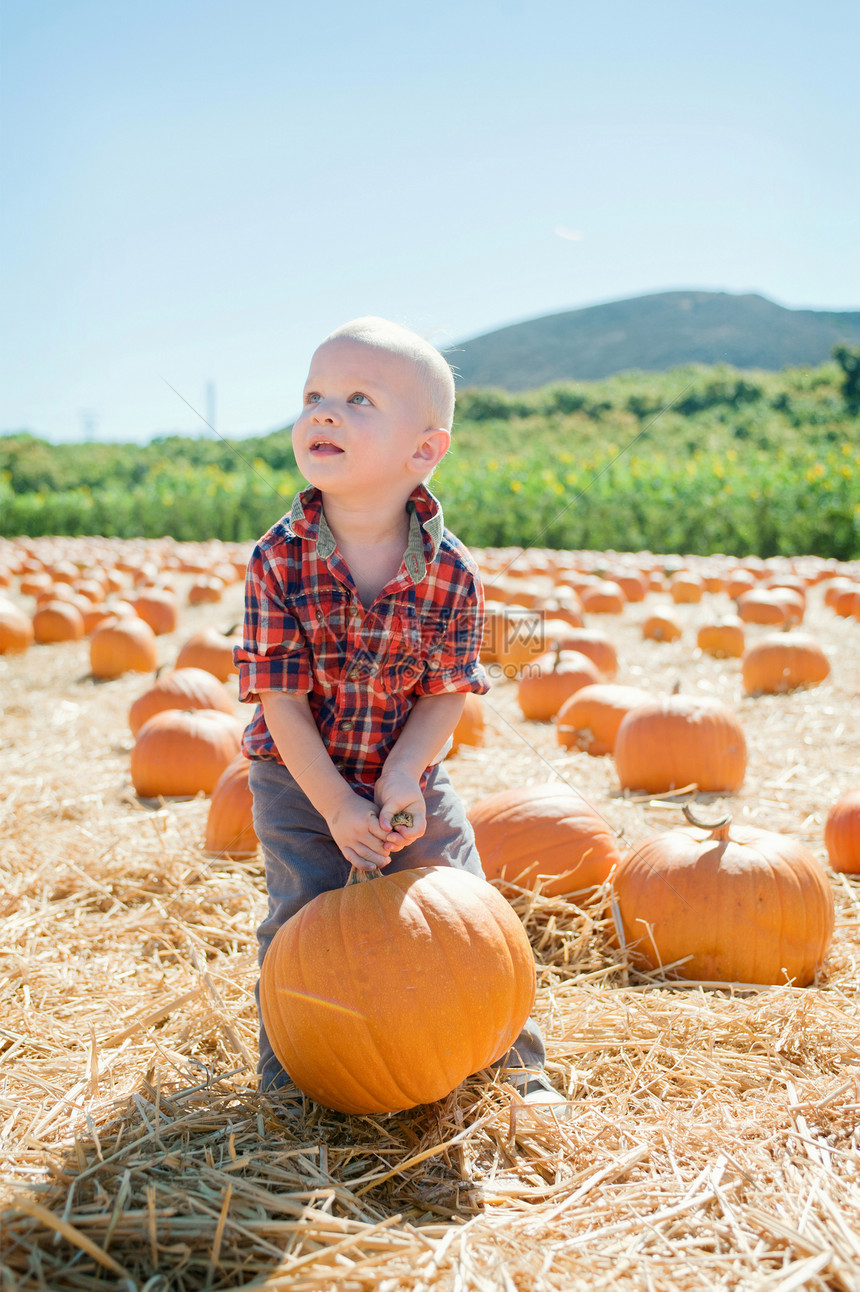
[(783, 662), (543, 831), (124, 644), (842, 833), (590, 719), (180, 753), (741, 905), (681, 740), (230, 824), (547, 683), (179, 688), (388, 993)]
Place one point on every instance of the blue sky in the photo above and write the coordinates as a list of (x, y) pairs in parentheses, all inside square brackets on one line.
[(197, 191)]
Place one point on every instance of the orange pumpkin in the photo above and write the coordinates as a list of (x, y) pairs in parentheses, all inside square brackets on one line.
[(546, 830), (724, 638), (662, 627), (58, 621), (179, 753), (230, 824), (686, 587), (761, 606), (603, 597), (179, 688), (158, 608), (590, 719), (471, 725), (210, 650), (16, 628), (783, 662), (546, 684), (123, 644), (596, 645), (842, 833), (741, 905), (206, 590), (386, 994), (681, 740)]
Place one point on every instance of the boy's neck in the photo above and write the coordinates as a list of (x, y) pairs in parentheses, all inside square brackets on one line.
[(353, 524)]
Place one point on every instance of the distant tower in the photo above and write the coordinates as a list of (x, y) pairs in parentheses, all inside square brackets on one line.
[(88, 426), (210, 406)]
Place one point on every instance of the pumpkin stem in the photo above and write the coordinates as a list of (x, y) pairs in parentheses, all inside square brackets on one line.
[(721, 825), (358, 876)]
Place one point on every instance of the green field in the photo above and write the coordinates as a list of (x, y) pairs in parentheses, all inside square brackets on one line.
[(695, 460)]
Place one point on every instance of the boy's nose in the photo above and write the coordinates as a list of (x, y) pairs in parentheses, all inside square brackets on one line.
[(324, 413)]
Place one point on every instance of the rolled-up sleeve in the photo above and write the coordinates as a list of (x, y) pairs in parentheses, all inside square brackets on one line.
[(274, 655), (453, 663)]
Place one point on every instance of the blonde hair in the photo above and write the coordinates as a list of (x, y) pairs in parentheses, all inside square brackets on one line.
[(434, 373)]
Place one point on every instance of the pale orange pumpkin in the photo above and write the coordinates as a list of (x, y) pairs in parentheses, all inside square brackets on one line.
[(783, 662), (604, 597), (686, 587), (724, 638), (589, 719), (386, 994), (16, 628), (681, 740), (842, 833), (548, 832), (761, 606), (741, 905), (662, 626), (179, 753)]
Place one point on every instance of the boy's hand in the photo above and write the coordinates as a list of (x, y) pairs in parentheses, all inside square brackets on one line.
[(356, 830), (397, 792)]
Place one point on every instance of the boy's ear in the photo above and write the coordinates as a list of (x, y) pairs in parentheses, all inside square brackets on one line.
[(432, 447)]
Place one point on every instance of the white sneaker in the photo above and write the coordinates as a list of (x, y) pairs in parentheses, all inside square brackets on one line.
[(535, 1090)]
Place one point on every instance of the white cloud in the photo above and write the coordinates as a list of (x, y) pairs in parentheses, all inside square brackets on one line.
[(572, 235)]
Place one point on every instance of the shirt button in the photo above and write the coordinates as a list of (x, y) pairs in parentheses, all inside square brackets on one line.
[(354, 673), (320, 616), (434, 664), (346, 725)]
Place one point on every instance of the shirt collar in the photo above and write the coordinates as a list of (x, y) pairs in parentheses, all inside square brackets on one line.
[(307, 521)]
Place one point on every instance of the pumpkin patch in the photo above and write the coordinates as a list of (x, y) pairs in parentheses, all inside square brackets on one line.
[(129, 965)]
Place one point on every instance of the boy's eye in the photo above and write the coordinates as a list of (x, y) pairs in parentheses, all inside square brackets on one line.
[(358, 398), (312, 397)]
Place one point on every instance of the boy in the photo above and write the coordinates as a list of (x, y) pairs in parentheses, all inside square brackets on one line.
[(363, 619)]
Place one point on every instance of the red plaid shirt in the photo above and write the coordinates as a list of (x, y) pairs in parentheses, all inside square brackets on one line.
[(306, 631)]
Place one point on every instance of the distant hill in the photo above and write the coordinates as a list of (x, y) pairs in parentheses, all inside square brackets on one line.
[(653, 333)]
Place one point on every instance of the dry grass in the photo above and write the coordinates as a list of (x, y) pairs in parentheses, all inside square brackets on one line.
[(714, 1138)]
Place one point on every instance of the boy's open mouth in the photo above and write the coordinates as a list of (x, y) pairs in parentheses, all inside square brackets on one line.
[(322, 448)]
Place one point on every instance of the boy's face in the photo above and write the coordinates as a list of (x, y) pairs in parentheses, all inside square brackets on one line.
[(362, 422)]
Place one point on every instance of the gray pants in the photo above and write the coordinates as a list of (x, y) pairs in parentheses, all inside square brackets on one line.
[(302, 860)]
